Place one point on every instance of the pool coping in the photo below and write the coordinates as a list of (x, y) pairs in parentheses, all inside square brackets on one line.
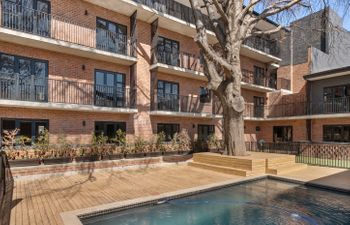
[(75, 217)]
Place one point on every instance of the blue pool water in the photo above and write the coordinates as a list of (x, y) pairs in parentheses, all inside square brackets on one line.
[(260, 202)]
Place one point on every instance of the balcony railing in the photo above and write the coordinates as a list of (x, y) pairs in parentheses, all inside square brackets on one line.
[(30, 88), (19, 18), (178, 103), (265, 45), (180, 59), (250, 78)]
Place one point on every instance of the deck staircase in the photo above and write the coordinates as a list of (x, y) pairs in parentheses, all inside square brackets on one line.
[(255, 164), (283, 164), (229, 165)]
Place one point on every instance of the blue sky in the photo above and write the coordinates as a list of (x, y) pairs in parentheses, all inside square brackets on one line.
[(342, 7)]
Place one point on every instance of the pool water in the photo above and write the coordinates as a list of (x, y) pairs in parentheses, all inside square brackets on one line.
[(254, 203)]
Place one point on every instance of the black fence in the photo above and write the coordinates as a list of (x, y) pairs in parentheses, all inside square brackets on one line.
[(6, 189), (318, 154), (32, 88), (20, 18)]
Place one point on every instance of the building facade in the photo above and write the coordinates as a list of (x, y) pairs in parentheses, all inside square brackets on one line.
[(85, 67), (315, 57)]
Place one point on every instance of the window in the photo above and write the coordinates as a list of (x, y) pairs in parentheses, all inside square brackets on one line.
[(168, 96), (31, 16), (282, 134), (330, 93), (259, 75), (109, 129), (336, 133), (259, 106), (109, 89), (168, 51), (204, 131), (27, 127), (205, 95), (22, 68), (110, 36), (169, 130)]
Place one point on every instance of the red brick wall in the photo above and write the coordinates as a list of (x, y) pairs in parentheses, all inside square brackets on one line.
[(317, 126)]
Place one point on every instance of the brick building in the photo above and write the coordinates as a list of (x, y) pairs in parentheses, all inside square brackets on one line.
[(85, 67)]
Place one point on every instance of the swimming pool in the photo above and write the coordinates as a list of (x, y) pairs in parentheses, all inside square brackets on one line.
[(254, 203)]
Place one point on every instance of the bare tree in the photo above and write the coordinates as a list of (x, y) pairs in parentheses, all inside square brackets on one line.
[(233, 21), (232, 24)]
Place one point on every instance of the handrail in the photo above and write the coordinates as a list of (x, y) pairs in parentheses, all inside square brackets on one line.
[(17, 17), (31, 88), (6, 189)]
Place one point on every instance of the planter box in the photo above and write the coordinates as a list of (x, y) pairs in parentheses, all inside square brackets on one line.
[(112, 157), (24, 162), (54, 161), (135, 155), (154, 154), (91, 158)]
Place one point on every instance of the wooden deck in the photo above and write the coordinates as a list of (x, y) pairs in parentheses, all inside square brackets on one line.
[(39, 202)]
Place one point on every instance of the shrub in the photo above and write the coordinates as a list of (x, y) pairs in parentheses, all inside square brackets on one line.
[(22, 140), (160, 139), (183, 140), (120, 138), (140, 145), (9, 138)]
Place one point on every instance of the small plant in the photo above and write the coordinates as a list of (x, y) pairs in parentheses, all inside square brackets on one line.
[(184, 140), (140, 145), (43, 140), (160, 139), (9, 138), (23, 140), (212, 141), (120, 138)]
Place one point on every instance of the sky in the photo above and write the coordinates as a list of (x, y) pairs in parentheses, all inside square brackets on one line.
[(342, 7)]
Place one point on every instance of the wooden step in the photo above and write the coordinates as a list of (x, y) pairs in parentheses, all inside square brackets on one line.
[(221, 169), (279, 161), (285, 168)]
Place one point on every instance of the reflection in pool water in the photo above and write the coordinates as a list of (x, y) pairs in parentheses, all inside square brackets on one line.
[(260, 202)]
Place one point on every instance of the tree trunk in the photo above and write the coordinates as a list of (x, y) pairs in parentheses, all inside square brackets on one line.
[(233, 132)]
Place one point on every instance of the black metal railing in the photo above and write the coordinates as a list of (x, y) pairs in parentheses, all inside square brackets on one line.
[(251, 110), (178, 103), (319, 154), (6, 189), (24, 88), (265, 45), (180, 59), (17, 17), (250, 78), (16, 87)]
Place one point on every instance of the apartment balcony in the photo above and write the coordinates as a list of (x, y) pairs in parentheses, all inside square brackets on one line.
[(179, 63), (256, 82), (33, 28), (61, 94), (183, 106), (333, 108), (178, 17)]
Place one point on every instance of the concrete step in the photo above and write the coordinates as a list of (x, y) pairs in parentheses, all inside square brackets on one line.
[(221, 169), (285, 168)]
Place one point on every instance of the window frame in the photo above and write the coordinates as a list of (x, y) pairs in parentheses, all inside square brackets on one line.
[(117, 125), (205, 98), (175, 128), (210, 130), (331, 128), (284, 138), (33, 122), (172, 42)]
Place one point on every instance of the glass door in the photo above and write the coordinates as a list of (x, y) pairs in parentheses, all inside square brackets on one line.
[(168, 96), (43, 19)]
